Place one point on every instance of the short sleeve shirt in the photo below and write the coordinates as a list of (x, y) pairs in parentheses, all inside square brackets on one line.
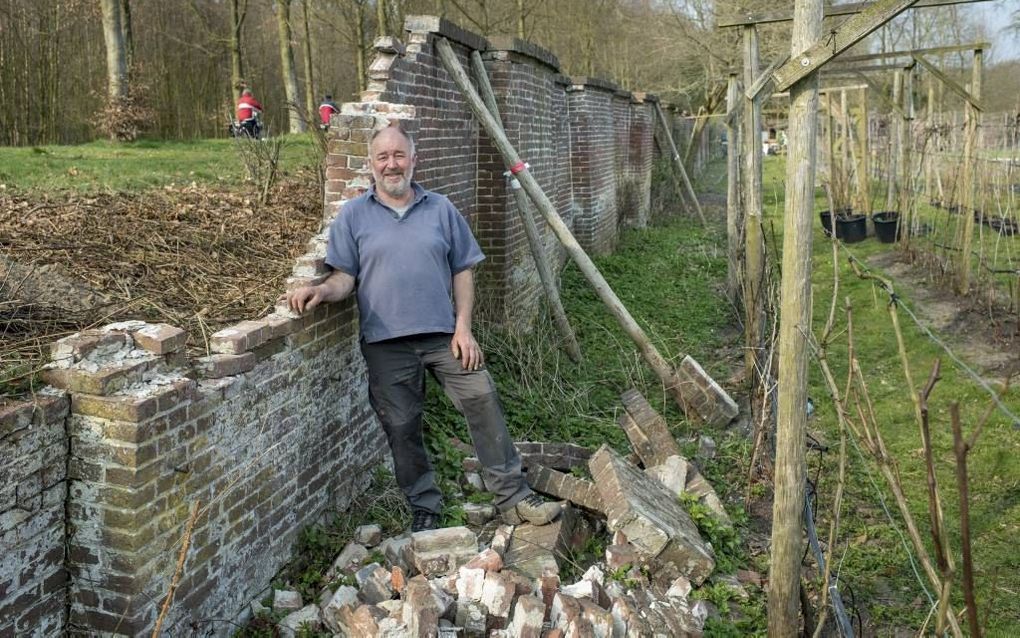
[(403, 266)]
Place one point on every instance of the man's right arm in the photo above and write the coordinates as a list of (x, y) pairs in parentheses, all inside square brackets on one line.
[(336, 287)]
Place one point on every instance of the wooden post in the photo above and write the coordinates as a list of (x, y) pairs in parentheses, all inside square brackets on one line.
[(754, 238), (680, 165), (545, 273), (906, 159), (864, 177), (895, 124), (794, 322), (969, 154), (655, 360), (844, 150), (830, 154), (733, 211), (929, 159)]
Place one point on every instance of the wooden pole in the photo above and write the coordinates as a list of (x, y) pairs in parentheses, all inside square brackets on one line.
[(929, 159), (545, 273), (680, 165), (906, 159), (969, 166), (896, 123), (864, 179), (794, 322), (754, 238), (844, 150), (655, 360), (733, 211), (960, 449)]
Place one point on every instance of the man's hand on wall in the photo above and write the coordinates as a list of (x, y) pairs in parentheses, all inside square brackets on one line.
[(304, 298), (467, 350)]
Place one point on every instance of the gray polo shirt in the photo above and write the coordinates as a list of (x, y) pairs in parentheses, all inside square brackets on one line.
[(403, 266)]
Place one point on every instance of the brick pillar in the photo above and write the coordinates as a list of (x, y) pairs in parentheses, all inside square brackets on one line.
[(593, 149)]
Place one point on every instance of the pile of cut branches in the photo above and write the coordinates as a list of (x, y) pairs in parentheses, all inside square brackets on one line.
[(197, 257)]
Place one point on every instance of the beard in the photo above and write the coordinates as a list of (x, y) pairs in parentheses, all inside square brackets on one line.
[(394, 189)]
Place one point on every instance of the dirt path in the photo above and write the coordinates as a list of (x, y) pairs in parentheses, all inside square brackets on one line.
[(992, 347)]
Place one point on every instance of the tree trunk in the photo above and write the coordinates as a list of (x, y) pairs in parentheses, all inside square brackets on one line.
[(116, 54), (380, 18), (129, 38), (794, 321), (290, 83), (237, 14), (359, 47), (309, 77), (520, 19), (973, 119)]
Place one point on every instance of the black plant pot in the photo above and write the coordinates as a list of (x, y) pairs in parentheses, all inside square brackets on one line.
[(1003, 226), (887, 226), (852, 228), (826, 217)]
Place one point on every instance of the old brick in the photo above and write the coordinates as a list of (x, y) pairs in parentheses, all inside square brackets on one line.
[(647, 430), (528, 618), (709, 400), (564, 486), (421, 610), (217, 366), (442, 551), (160, 338), (109, 378)]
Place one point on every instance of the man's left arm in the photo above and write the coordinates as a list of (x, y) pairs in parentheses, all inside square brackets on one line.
[(464, 345)]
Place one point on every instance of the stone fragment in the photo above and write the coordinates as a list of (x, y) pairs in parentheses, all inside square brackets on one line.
[(471, 616), (479, 514), (598, 619), (548, 586), (397, 580), (732, 582), (680, 588), (534, 550), (528, 618), (647, 430), (286, 600), (699, 487), (488, 560), (501, 539), (748, 577), (619, 538), (469, 583), (441, 551), (443, 600), (349, 560), (393, 608), (363, 621), (706, 448), (91, 344), (344, 598), (368, 535), (566, 487), (474, 479), (305, 619), (704, 395), (619, 556), (566, 614), (651, 518), (374, 584), (390, 627), (325, 596), (257, 608), (471, 464), (498, 595), (672, 473), (627, 620), (555, 455), (421, 609), (393, 550), (218, 366)]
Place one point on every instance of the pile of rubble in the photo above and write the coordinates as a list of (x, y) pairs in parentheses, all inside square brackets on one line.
[(505, 580)]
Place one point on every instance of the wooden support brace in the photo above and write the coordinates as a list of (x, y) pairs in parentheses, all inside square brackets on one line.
[(949, 82), (849, 8), (680, 165), (838, 40), (545, 273)]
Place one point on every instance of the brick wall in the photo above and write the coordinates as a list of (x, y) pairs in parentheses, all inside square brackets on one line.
[(33, 465), (593, 159)]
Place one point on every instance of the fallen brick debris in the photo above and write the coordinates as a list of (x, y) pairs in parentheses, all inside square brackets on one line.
[(504, 581)]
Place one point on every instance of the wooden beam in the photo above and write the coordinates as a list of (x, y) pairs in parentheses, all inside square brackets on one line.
[(545, 271), (838, 69), (956, 48), (754, 271), (949, 82), (769, 17), (680, 165), (838, 39), (734, 213), (880, 92)]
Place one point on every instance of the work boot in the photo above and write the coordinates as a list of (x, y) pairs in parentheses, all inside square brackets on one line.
[(424, 520), (532, 509)]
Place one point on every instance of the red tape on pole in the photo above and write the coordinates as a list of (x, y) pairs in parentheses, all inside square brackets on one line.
[(517, 168)]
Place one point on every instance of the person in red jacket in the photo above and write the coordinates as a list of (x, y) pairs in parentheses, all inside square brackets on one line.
[(248, 111), (326, 111)]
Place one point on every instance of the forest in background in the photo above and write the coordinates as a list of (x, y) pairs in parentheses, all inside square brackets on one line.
[(184, 61)]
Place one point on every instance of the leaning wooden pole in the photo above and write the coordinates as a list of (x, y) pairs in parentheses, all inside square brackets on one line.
[(655, 360), (754, 237), (545, 274), (894, 143), (864, 172), (969, 167), (680, 165), (794, 324), (733, 208)]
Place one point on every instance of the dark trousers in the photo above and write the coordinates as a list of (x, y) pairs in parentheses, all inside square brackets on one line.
[(396, 386)]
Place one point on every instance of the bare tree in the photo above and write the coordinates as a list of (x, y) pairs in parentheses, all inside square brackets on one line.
[(238, 11), (307, 54), (116, 52), (290, 82)]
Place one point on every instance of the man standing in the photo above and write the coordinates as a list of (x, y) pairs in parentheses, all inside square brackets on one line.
[(406, 250)]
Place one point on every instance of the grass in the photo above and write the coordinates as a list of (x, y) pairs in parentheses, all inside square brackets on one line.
[(108, 166), (873, 562)]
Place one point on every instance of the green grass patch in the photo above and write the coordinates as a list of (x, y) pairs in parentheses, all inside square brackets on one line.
[(109, 166), (872, 559)]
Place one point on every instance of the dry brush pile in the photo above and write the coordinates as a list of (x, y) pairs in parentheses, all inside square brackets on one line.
[(194, 256)]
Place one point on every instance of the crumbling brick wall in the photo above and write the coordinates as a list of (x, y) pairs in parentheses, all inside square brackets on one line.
[(274, 427), (33, 466)]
